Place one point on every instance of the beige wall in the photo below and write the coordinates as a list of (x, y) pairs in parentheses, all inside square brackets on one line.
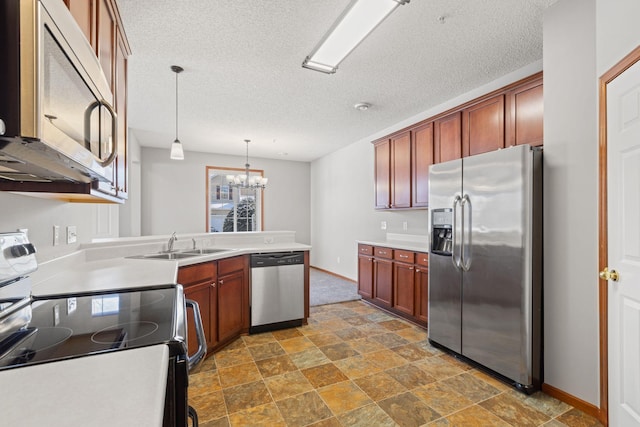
[(571, 199), (342, 193), (174, 192)]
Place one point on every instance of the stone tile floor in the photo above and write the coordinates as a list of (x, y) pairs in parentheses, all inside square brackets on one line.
[(355, 365)]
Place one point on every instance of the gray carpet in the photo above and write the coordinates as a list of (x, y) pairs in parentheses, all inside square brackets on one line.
[(328, 289)]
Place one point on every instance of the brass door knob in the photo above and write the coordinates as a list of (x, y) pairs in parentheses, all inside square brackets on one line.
[(609, 275)]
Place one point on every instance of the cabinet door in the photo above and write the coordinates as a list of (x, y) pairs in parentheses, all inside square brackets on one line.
[(201, 293), (106, 27), (401, 171), (448, 138), (365, 276), (230, 305), (421, 159), (525, 108), (422, 294), (122, 172), (83, 12), (382, 177), (383, 281), (403, 288), (483, 127)]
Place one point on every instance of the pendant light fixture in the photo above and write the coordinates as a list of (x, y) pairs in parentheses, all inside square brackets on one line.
[(245, 180), (177, 153)]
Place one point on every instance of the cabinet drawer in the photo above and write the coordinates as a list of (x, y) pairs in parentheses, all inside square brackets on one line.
[(197, 273), (383, 253), (422, 259), (229, 265), (365, 250), (403, 256)]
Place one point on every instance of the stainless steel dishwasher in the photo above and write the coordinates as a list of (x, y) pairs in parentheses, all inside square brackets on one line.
[(277, 290)]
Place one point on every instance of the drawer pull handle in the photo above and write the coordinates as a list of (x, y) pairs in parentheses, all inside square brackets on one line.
[(404, 256)]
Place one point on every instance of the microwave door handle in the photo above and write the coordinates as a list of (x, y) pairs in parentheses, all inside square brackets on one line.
[(114, 131), (87, 123), (114, 136)]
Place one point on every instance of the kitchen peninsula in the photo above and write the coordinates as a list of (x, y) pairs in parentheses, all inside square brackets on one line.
[(200, 262)]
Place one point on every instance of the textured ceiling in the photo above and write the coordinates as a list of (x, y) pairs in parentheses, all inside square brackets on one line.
[(243, 77)]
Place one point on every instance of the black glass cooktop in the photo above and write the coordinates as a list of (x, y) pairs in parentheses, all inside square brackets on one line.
[(72, 326)]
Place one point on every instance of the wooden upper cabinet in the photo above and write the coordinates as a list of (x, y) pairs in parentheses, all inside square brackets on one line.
[(382, 176), (106, 30), (525, 114), (83, 11), (120, 91), (401, 171), (483, 126), (421, 159), (448, 138)]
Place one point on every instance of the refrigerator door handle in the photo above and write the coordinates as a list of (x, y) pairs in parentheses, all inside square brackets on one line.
[(466, 244), (454, 230)]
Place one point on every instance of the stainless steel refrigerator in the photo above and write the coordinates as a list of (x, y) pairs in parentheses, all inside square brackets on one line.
[(485, 262)]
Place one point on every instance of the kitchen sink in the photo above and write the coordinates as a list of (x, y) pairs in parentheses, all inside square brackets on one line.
[(167, 255), (204, 251)]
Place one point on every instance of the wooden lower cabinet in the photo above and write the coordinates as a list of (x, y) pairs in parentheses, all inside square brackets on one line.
[(199, 281), (383, 281), (403, 288), (221, 289), (396, 280), (422, 293), (365, 276)]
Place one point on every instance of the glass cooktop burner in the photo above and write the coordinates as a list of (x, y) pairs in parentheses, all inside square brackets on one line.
[(125, 331)]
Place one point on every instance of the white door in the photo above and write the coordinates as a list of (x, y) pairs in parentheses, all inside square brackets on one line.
[(623, 175)]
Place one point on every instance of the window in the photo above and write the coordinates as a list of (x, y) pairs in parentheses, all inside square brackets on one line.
[(232, 209)]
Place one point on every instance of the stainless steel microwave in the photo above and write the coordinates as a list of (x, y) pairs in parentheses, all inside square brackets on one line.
[(57, 121)]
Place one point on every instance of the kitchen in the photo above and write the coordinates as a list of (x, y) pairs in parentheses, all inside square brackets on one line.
[(344, 177)]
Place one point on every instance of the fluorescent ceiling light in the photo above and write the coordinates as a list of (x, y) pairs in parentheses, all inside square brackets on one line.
[(358, 20)]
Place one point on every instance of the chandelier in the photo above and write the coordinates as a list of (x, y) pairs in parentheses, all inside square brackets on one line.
[(246, 180)]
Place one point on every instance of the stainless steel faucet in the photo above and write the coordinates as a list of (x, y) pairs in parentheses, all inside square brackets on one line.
[(172, 240)]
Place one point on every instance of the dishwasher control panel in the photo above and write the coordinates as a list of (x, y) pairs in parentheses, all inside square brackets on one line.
[(276, 258)]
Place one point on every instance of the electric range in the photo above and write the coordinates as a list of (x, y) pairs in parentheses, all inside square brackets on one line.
[(54, 328)]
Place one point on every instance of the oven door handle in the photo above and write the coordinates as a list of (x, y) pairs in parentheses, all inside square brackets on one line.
[(194, 360)]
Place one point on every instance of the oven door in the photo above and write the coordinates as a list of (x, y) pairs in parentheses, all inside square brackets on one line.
[(176, 409)]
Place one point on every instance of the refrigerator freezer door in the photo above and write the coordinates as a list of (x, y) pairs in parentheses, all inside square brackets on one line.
[(444, 323), (496, 289)]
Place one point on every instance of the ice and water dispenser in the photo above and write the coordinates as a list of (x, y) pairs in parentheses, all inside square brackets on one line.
[(442, 231)]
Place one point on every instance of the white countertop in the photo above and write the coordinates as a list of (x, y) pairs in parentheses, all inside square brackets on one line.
[(415, 243), (122, 388), (107, 264)]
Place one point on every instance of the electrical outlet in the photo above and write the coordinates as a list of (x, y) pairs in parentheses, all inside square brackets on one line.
[(56, 235), (338, 260), (405, 225), (383, 225), (72, 304), (72, 235)]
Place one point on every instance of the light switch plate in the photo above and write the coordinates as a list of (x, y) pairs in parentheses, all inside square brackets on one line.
[(56, 235), (383, 225)]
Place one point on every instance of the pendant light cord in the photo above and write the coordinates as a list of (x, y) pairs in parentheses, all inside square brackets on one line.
[(177, 105), (177, 69)]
